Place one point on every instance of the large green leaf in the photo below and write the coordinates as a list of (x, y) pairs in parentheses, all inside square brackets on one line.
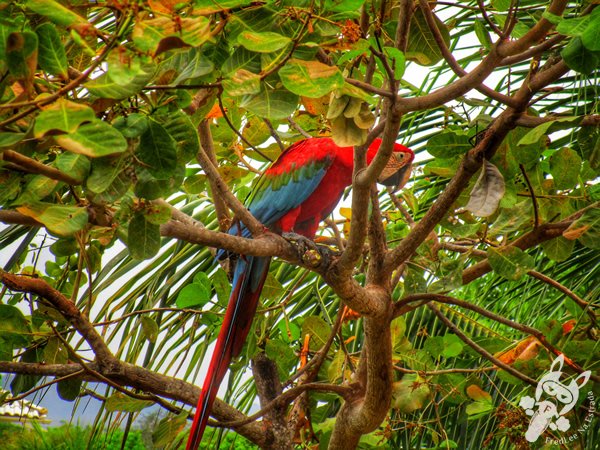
[(510, 262), (422, 47), (565, 166), (14, 327), (310, 78), (59, 219), (121, 402), (56, 12), (164, 33), (63, 115), (94, 139), (52, 56), (157, 151), (143, 237), (448, 143), (265, 42), (271, 104), (22, 54), (104, 86)]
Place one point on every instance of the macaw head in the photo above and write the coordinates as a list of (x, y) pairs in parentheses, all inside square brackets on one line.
[(397, 170)]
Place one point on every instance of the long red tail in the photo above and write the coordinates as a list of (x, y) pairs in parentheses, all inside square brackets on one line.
[(248, 280)]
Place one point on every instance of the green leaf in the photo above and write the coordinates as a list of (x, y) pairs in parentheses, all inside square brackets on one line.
[(510, 262), (14, 327), (121, 402), (164, 33), (559, 248), (482, 34), (69, 389), (265, 42), (448, 144), (318, 330), (94, 139), (573, 27), (143, 237), (105, 87), (64, 247), (397, 61), (168, 428), (103, 173), (476, 410), (501, 5), (538, 132), (410, 394), (422, 47), (589, 37), (283, 355), (149, 328), (8, 139), (59, 219), (273, 104), (311, 79), (213, 6), (192, 295), (125, 66), (157, 151), (21, 54), (453, 346), (56, 12), (52, 56), (63, 115), (77, 166), (565, 165), (242, 82), (157, 213), (221, 285), (579, 58), (195, 65), (131, 126)]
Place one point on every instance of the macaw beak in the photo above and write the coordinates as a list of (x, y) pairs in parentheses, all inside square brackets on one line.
[(397, 172)]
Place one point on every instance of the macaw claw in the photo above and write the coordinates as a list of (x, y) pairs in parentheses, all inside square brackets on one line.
[(310, 253)]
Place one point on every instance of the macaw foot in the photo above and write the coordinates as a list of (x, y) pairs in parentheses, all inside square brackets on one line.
[(311, 253)]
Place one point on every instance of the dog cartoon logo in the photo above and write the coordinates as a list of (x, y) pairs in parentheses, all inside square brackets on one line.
[(545, 412)]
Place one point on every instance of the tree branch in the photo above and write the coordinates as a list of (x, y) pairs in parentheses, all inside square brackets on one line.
[(206, 141)]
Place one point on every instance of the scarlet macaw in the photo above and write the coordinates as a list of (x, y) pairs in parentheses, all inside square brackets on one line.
[(294, 195)]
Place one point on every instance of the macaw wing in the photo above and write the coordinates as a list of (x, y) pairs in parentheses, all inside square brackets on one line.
[(288, 183)]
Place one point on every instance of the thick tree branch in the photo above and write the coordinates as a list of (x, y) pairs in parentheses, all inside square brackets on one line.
[(364, 178), (66, 307), (268, 387), (364, 414), (221, 189), (535, 34)]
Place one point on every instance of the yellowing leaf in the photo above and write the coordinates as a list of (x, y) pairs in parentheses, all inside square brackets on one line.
[(62, 220), (478, 394), (310, 78)]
